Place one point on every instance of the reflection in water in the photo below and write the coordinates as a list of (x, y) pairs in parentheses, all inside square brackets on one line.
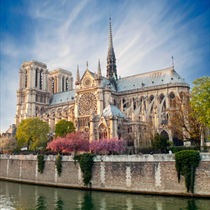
[(103, 204), (159, 205), (129, 204), (41, 204), (59, 204), (87, 203), (191, 205), (23, 196)]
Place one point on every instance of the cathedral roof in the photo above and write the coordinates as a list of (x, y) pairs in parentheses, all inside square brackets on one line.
[(150, 79), (63, 97), (112, 110), (105, 82)]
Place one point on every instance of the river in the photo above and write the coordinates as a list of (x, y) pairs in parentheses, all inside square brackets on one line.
[(24, 196)]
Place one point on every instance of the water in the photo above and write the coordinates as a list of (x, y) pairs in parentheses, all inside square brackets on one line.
[(24, 196)]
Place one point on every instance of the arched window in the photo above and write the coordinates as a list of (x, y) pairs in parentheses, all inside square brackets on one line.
[(172, 100), (62, 84), (40, 81), (177, 141), (102, 131), (164, 106), (53, 85), (161, 98), (36, 77), (164, 134), (130, 130), (171, 96), (151, 98), (151, 109), (114, 102), (37, 110), (26, 79), (145, 108), (67, 84)]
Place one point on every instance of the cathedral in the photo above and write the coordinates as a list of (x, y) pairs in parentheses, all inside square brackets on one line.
[(102, 106)]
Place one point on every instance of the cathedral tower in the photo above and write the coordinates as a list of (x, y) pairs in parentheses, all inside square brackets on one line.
[(33, 94), (111, 60)]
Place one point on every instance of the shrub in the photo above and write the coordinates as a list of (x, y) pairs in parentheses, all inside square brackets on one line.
[(160, 142), (58, 164), (186, 163), (86, 162), (41, 162)]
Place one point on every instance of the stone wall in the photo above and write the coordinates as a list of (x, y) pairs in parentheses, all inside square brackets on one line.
[(151, 174)]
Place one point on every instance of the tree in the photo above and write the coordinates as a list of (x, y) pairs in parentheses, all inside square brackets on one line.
[(63, 127), (113, 145), (160, 142), (183, 121), (73, 142), (200, 100), (32, 132), (8, 143)]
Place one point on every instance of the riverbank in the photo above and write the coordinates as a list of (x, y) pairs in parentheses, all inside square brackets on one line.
[(147, 174)]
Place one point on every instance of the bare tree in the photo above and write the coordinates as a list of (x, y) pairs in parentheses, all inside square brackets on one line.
[(182, 120), (8, 143)]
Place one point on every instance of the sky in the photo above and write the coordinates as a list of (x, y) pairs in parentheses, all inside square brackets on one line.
[(67, 33)]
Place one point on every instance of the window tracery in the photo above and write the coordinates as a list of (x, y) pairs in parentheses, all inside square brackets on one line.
[(87, 103), (102, 131), (26, 79)]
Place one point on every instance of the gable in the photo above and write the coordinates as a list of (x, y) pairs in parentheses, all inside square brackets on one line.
[(87, 79)]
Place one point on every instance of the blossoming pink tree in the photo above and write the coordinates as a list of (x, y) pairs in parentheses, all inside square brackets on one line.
[(113, 145), (73, 142)]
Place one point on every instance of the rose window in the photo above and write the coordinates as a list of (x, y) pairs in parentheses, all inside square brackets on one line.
[(87, 82), (87, 103)]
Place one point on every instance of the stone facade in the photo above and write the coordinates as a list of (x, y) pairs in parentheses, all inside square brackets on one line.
[(102, 106), (148, 174)]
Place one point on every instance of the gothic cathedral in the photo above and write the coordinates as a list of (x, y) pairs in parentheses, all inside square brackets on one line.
[(102, 106)]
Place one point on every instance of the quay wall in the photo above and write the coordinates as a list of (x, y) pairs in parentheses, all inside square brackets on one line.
[(148, 174)]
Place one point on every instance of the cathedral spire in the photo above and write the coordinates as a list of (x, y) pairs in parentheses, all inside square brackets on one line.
[(86, 65), (110, 36), (111, 73), (78, 77), (99, 68)]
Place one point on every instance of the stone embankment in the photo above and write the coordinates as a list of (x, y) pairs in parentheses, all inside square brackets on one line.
[(149, 174)]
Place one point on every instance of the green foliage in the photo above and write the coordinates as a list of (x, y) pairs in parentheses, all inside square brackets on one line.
[(201, 100), (175, 149), (170, 143), (33, 132), (186, 163), (63, 127), (160, 142), (205, 147), (58, 164), (41, 162), (86, 162)]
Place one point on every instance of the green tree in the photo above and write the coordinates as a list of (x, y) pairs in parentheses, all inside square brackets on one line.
[(160, 142), (63, 127), (200, 100), (32, 132)]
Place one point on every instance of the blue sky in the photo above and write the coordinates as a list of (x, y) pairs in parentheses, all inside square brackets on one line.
[(64, 34)]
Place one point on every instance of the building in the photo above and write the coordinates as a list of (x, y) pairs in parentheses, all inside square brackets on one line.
[(102, 106)]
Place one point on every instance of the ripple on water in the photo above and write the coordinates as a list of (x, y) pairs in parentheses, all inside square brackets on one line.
[(23, 196)]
